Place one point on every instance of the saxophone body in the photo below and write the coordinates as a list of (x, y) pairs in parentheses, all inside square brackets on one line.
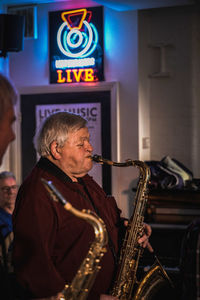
[(126, 286), (82, 282)]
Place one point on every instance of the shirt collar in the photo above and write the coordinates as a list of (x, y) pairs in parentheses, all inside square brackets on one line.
[(45, 164)]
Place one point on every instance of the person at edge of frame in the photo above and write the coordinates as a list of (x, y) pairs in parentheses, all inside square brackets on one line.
[(8, 98)]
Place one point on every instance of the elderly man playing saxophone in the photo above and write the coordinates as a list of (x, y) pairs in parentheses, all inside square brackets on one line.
[(50, 243)]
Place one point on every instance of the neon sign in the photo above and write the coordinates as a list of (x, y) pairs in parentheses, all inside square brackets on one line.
[(76, 45)]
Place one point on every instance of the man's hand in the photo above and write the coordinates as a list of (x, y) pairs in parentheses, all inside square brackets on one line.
[(144, 240)]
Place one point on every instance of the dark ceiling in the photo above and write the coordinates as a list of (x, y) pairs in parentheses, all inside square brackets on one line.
[(121, 5)]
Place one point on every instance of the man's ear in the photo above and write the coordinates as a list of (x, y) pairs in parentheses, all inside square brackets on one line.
[(55, 150)]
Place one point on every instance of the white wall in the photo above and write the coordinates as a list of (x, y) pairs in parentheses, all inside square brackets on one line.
[(169, 105), (30, 68)]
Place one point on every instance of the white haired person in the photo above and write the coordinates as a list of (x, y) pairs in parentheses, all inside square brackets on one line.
[(50, 243), (8, 193)]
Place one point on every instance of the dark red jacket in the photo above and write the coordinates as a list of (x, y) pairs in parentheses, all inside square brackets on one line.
[(50, 243)]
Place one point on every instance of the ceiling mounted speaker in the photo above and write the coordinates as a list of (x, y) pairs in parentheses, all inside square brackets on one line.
[(11, 33), (30, 14)]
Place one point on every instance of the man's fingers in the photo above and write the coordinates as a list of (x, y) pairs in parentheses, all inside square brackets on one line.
[(149, 247)]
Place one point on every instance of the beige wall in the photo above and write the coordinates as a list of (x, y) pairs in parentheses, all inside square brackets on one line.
[(168, 85)]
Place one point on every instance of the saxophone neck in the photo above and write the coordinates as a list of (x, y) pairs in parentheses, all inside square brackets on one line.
[(100, 160), (142, 166)]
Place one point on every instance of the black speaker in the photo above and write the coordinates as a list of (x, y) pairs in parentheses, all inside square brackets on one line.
[(11, 33)]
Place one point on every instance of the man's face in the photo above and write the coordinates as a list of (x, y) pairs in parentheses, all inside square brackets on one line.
[(6, 131), (8, 192), (75, 155)]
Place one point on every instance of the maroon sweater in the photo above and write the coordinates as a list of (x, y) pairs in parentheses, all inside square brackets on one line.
[(50, 243)]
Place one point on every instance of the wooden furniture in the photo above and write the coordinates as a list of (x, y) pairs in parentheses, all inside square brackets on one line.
[(173, 206), (169, 212)]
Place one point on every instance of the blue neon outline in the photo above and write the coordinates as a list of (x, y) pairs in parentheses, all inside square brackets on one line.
[(67, 51), (94, 43)]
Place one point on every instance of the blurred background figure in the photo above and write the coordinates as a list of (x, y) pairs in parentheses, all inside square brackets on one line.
[(8, 193), (8, 98), (8, 187)]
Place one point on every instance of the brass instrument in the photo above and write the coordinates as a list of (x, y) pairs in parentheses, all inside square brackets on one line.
[(84, 278), (126, 285)]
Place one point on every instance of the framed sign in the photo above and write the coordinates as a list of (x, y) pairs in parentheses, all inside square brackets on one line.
[(76, 45), (95, 106), (90, 111)]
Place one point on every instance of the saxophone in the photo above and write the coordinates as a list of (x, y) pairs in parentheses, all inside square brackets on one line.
[(85, 277), (126, 286)]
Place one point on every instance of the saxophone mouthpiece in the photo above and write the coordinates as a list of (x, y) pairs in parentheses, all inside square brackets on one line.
[(100, 160), (53, 192), (97, 158), (47, 185)]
